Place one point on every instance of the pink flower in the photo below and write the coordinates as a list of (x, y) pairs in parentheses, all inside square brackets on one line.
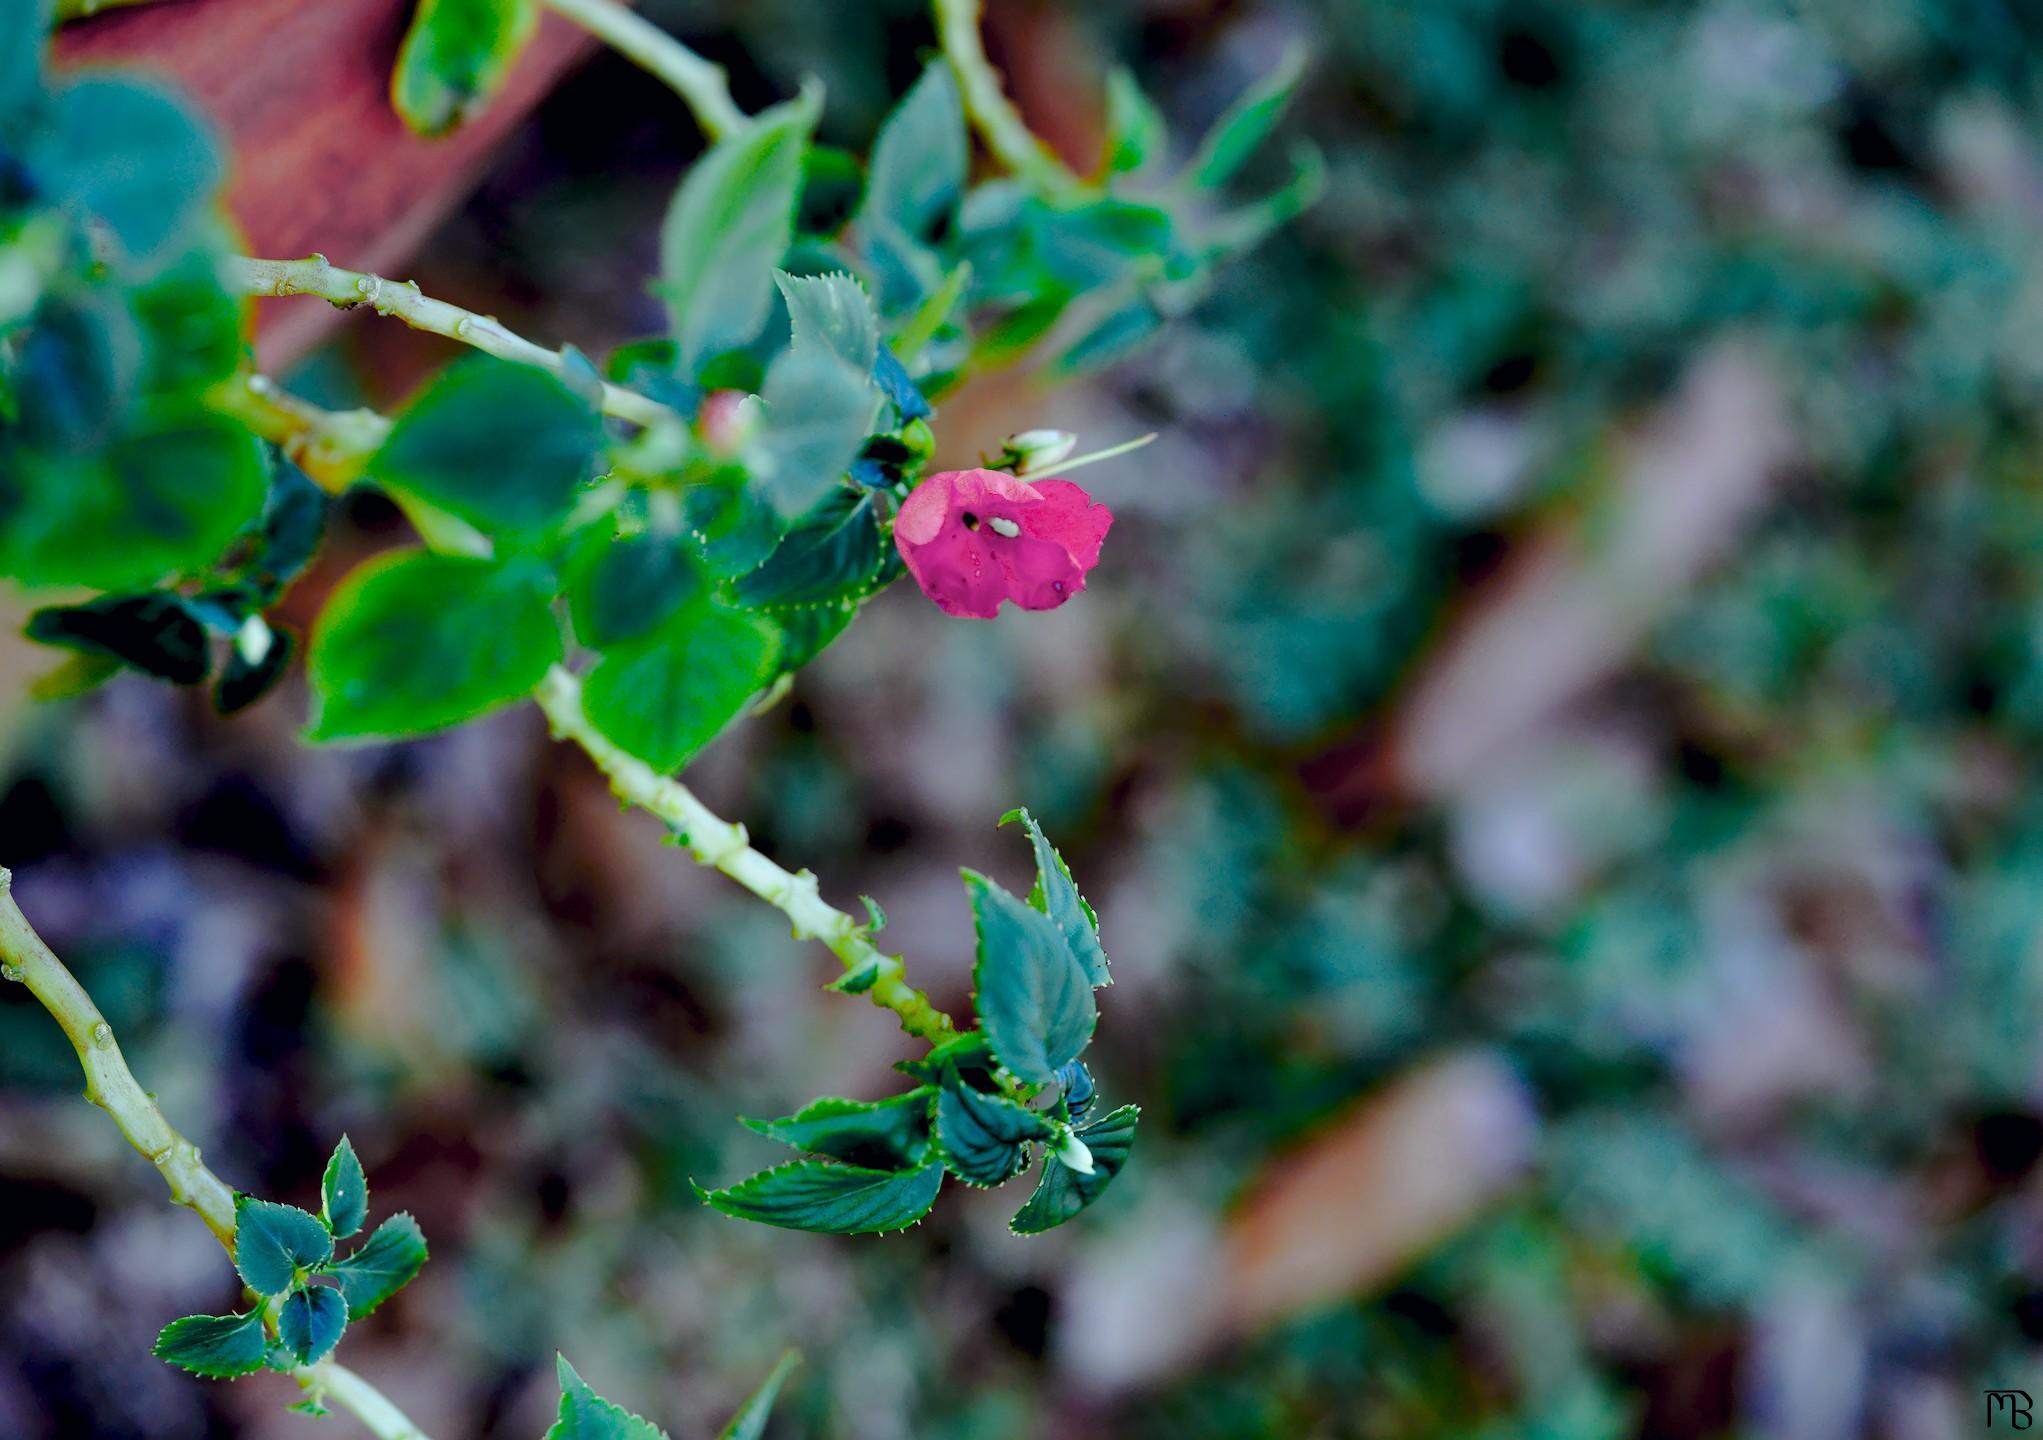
[(973, 538)]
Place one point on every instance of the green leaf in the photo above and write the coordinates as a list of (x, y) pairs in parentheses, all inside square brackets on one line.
[(218, 1347), (750, 1421), (1113, 338), (24, 36), (665, 697), (804, 633), (166, 497), (899, 387), (826, 1196), (1247, 123), (133, 157), (273, 1242), (818, 412), (1056, 895), (1136, 133), (310, 1322), (455, 57), (726, 230), (411, 643), (78, 372), (585, 1415), (735, 526), (983, 1138), (831, 554), (968, 1054), (1062, 1192), (344, 1191), (888, 1134), (504, 447), (292, 525), (1033, 995), (381, 1266), (244, 681), (192, 327), (625, 588), (917, 174), (833, 313), (1076, 1091), (156, 633)]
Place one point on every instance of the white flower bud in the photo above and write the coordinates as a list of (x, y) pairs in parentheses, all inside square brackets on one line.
[(1036, 449)]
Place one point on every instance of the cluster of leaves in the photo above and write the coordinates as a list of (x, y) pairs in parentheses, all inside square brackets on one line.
[(877, 1165), (306, 1293)]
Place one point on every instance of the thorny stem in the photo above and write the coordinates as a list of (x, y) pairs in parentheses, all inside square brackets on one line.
[(112, 1086), (402, 300), (696, 80), (725, 846), (999, 124)]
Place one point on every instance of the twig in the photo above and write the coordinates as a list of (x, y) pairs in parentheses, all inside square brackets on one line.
[(696, 80), (331, 446), (402, 300), (999, 124), (111, 1086)]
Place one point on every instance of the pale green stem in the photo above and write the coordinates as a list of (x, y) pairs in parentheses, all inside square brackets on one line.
[(401, 300), (1079, 462), (79, 9), (111, 1086), (999, 124), (719, 843), (331, 446), (697, 81)]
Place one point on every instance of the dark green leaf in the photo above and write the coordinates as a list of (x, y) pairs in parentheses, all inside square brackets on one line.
[(829, 555), (273, 1242), (310, 1323), (293, 523), (1056, 895), (804, 633), (585, 1415), (344, 1191), (726, 231), (917, 174), (826, 1196), (625, 588), (859, 979), (1062, 1192), (1247, 123), (411, 643), (983, 1138), (880, 1134), (504, 447), (155, 633), (244, 681), (1074, 1082), (1034, 997), (164, 498), (78, 373), (218, 1347), (1111, 339), (665, 697), (899, 387), (750, 1421), (1242, 229), (1135, 128), (135, 158), (818, 412), (455, 57), (735, 526), (381, 1266), (968, 1054), (831, 312)]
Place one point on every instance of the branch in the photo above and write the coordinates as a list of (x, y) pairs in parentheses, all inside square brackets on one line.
[(332, 447), (999, 124), (318, 276), (697, 81), (80, 9), (718, 843), (111, 1086)]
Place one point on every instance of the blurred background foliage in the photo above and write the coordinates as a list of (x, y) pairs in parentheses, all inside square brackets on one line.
[(1552, 744)]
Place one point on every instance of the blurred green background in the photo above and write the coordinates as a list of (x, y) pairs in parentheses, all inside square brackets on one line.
[(1552, 743)]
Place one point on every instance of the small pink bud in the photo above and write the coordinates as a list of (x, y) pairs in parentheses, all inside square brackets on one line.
[(974, 538), (727, 420)]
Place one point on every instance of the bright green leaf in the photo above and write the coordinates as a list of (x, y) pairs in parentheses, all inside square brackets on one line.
[(726, 230), (193, 329), (273, 1242), (411, 643), (1062, 1192), (622, 589), (1135, 130), (585, 1415), (310, 1322), (1034, 997), (1247, 123), (455, 57), (1056, 895), (750, 1421), (665, 697), (879, 1134), (831, 311), (344, 1191), (983, 1138), (826, 1196), (218, 1347), (504, 447), (381, 1266)]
